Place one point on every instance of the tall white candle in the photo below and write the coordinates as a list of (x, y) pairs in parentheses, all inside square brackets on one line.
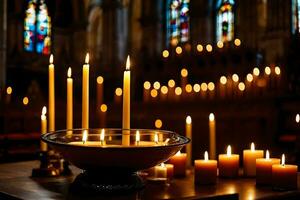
[(51, 95), (43, 145), (69, 100), (188, 133), (85, 93), (212, 136), (126, 105)]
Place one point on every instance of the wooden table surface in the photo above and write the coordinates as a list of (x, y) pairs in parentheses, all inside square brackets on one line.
[(16, 183)]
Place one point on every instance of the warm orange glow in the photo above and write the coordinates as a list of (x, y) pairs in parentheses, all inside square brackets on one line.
[(267, 155), (188, 88), (235, 77), (128, 63), (209, 48), (178, 91), (9, 90), (178, 50), (205, 156), (188, 120), (178, 153), (171, 83), (153, 93), (103, 107), (241, 86), (277, 70), (25, 101), (158, 123), (249, 77), (252, 146), (196, 87), (137, 137), (237, 42), (165, 53), (267, 70), (203, 86), (283, 160), (199, 48), (256, 71), (156, 85), (211, 117), (87, 58), (164, 89), (156, 138), (69, 72), (84, 136), (211, 86), (147, 85), (220, 44), (223, 80), (102, 136), (119, 91), (100, 79), (229, 150), (51, 59), (44, 110), (184, 72), (297, 118)]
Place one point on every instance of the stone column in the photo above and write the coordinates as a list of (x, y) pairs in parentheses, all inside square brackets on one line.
[(3, 47)]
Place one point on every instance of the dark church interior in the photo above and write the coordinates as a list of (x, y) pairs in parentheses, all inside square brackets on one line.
[(235, 60)]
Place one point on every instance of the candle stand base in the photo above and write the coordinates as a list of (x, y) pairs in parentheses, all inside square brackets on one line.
[(107, 183)]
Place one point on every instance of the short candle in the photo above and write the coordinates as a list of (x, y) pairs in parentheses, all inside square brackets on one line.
[(205, 170), (249, 158), (160, 171), (179, 162), (264, 169), (229, 164), (284, 177)]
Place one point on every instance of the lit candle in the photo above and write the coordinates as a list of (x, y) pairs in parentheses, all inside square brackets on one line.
[(223, 81), (100, 82), (284, 177), (184, 74), (212, 135), (179, 162), (51, 95), (69, 100), (249, 158), (126, 105), (9, 91), (229, 164), (163, 93), (155, 138), (84, 136), (103, 110), (43, 128), (160, 171), (137, 138), (170, 170), (264, 169), (85, 93), (118, 95), (205, 170), (188, 134), (102, 137), (146, 93), (171, 90)]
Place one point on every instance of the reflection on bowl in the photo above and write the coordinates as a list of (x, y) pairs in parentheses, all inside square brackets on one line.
[(101, 153)]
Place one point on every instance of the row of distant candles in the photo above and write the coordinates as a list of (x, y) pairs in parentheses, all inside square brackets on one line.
[(267, 171), (200, 48)]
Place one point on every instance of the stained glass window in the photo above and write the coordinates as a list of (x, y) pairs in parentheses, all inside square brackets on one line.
[(225, 20), (295, 16), (177, 21), (37, 28)]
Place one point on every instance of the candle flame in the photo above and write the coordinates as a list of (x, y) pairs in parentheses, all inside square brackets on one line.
[(229, 150), (51, 59), (162, 164), (188, 119), (44, 110), (137, 137), (156, 138), (87, 58), (211, 117), (267, 155), (297, 118), (205, 156), (69, 72), (178, 153), (128, 63), (252, 147), (84, 136), (167, 141), (283, 160), (102, 136)]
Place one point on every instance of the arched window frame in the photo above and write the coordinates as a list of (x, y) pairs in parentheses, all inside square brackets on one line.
[(225, 9)]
